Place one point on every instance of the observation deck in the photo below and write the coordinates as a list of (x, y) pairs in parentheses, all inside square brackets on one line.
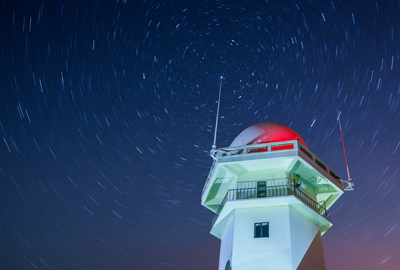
[(232, 181), (270, 150)]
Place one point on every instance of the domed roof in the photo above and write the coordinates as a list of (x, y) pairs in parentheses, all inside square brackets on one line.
[(266, 132)]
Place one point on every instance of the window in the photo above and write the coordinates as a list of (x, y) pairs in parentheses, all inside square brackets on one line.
[(261, 229)]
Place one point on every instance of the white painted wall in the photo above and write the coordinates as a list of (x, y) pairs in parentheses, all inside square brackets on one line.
[(290, 234), (261, 253), (227, 243), (302, 233), (268, 173)]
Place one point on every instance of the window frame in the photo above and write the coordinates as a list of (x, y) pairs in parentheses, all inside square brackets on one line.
[(261, 230)]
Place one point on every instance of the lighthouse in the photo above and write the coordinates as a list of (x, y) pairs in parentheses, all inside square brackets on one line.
[(271, 197)]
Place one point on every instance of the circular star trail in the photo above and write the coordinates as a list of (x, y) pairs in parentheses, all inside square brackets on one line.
[(107, 114)]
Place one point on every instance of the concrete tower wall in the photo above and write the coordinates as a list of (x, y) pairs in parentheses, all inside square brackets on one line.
[(290, 238), (306, 242), (227, 238)]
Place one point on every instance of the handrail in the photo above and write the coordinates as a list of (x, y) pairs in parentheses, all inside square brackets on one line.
[(272, 191), (254, 148)]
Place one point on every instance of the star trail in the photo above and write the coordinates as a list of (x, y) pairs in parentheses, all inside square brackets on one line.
[(107, 114)]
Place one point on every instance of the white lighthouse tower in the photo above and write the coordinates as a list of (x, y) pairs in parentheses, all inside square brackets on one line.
[(271, 197)]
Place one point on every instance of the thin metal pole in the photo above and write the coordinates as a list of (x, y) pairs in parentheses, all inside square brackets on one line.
[(344, 149), (216, 119)]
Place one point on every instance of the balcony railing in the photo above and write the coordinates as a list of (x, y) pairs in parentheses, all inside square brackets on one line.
[(274, 191)]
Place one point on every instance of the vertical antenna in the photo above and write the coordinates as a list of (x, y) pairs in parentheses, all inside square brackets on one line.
[(216, 119), (344, 149)]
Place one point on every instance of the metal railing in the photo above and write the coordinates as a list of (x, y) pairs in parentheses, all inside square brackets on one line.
[(272, 191)]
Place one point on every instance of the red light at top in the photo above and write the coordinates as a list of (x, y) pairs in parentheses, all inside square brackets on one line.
[(266, 132)]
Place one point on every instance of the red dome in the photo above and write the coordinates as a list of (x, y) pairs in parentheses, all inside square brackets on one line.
[(265, 133)]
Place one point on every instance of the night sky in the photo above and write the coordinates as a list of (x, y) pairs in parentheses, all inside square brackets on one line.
[(107, 110)]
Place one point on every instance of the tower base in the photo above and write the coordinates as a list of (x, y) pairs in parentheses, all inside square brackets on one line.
[(291, 242)]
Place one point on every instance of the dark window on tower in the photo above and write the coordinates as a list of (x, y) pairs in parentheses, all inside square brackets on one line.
[(261, 229)]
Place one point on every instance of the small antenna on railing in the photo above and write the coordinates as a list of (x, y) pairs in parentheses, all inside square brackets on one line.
[(216, 119), (349, 183)]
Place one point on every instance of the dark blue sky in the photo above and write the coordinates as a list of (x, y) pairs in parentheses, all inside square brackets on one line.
[(107, 111)]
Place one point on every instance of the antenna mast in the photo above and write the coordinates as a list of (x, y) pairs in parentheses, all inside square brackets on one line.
[(350, 185), (216, 119)]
